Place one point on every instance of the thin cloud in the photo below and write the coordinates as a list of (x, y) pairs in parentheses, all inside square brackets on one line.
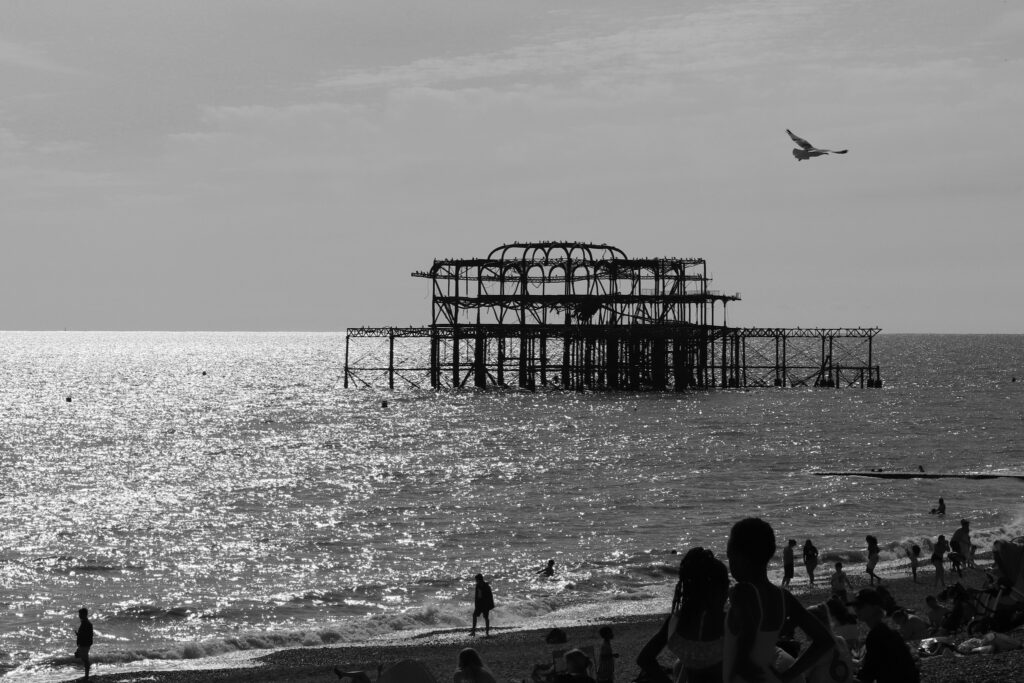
[(22, 56)]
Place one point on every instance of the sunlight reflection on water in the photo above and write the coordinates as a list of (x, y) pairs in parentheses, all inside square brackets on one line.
[(261, 496)]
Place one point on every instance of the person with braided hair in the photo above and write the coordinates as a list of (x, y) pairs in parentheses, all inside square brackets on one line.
[(694, 630)]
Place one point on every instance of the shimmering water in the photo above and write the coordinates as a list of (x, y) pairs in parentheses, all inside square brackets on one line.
[(262, 505)]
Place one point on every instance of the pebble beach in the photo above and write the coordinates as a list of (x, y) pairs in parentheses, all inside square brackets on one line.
[(512, 654)]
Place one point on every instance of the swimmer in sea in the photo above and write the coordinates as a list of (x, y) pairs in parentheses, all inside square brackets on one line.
[(547, 570)]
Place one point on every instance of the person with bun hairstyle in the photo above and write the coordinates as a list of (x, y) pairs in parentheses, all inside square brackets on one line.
[(758, 610)]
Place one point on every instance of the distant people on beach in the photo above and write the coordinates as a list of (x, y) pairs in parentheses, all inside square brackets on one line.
[(787, 562), (810, 559), (576, 664), (886, 659), (547, 570), (839, 582), (483, 603), (471, 669), (915, 560), (873, 553), (759, 610), (939, 551), (940, 509), (606, 656), (83, 640), (960, 542), (695, 629)]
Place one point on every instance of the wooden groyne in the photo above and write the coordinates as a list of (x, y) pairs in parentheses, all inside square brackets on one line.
[(881, 474)]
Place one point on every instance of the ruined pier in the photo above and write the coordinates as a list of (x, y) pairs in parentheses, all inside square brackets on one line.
[(580, 316)]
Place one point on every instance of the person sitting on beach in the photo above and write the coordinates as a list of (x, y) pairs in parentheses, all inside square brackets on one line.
[(873, 552), (964, 608), (695, 629), (912, 627), (887, 659), (836, 667), (471, 668), (758, 611), (839, 582), (936, 613), (576, 665), (915, 559), (787, 562), (888, 600), (547, 570), (810, 559), (938, 553), (844, 623)]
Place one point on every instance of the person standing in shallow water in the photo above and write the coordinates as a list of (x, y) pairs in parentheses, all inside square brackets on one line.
[(810, 559), (873, 552), (83, 640), (483, 603), (758, 610), (787, 563)]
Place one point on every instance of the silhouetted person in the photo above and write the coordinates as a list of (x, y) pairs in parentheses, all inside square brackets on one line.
[(839, 582), (547, 570), (83, 640), (787, 562), (471, 668), (810, 559), (758, 611), (915, 560), (873, 553), (960, 542), (606, 657), (938, 553), (695, 629), (576, 665), (483, 603)]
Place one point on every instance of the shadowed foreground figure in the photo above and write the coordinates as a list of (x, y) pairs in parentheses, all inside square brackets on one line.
[(807, 150)]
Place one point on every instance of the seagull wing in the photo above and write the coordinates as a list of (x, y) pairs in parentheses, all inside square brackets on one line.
[(799, 140)]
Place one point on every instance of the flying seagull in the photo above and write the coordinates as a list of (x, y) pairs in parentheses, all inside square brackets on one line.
[(807, 150)]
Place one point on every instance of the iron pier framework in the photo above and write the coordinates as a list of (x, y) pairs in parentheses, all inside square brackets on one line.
[(585, 316)]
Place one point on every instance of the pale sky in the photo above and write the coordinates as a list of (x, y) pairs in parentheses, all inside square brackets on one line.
[(248, 165)]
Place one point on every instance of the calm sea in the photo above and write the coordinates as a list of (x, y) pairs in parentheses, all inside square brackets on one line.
[(209, 493)]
